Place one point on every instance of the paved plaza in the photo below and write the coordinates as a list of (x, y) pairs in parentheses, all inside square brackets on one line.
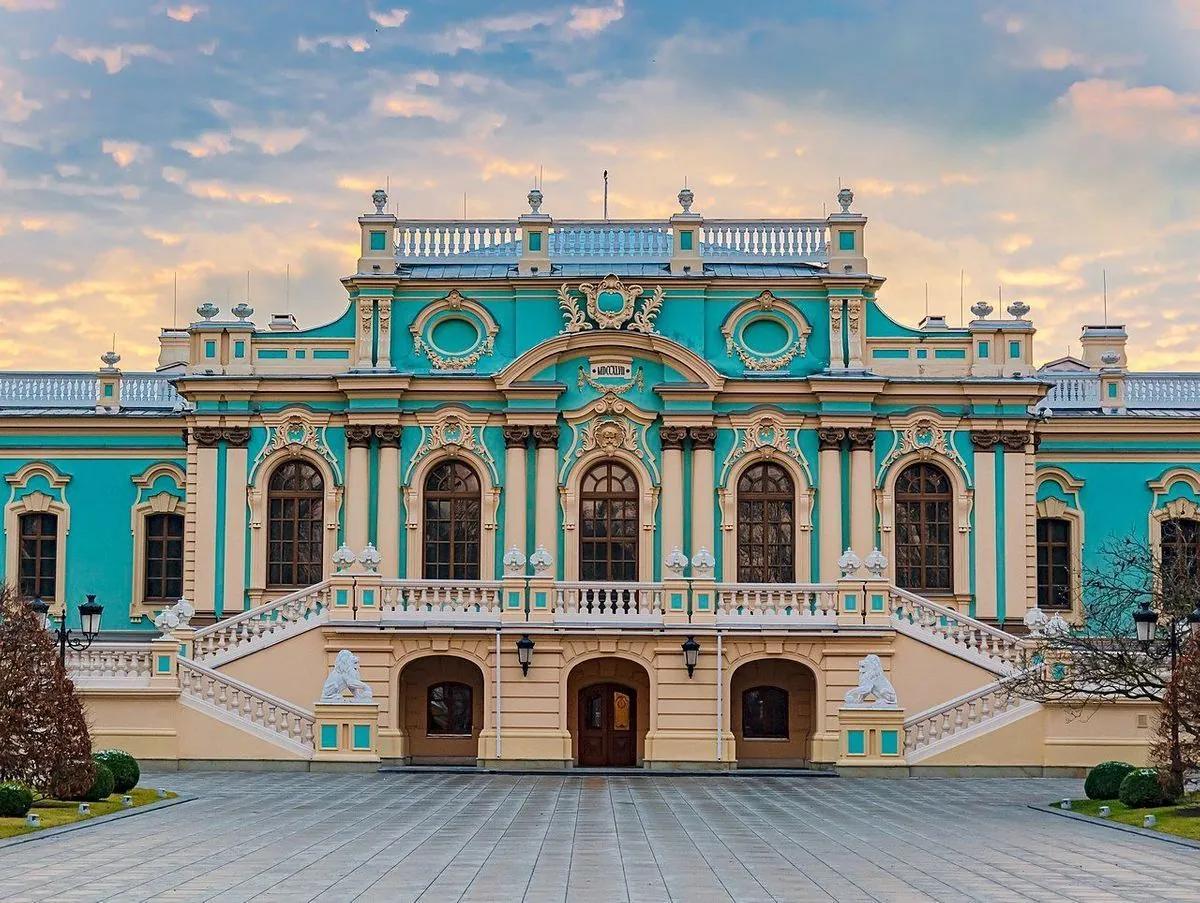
[(443, 837)]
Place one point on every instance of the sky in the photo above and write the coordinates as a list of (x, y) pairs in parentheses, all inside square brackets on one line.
[(1028, 147)]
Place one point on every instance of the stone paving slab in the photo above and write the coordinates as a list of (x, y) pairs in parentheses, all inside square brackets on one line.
[(338, 838)]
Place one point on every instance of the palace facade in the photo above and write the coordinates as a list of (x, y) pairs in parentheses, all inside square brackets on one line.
[(669, 493)]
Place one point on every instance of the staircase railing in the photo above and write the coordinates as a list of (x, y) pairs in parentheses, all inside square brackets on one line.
[(1001, 651), (116, 664), (952, 718), (262, 625), (264, 714)]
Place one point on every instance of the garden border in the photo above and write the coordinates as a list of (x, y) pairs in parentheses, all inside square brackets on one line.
[(98, 820), (1109, 823)]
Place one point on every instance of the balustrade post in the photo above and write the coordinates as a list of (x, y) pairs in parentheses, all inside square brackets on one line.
[(164, 662)]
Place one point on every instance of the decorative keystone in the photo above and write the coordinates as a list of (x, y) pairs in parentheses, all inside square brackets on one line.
[(703, 564), (379, 198), (982, 310), (370, 558), (849, 564), (675, 561), (343, 558), (514, 561), (243, 311), (208, 310), (541, 560), (875, 563)]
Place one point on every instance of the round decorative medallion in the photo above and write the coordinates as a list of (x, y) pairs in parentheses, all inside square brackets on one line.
[(765, 336), (765, 332), (454, 335)]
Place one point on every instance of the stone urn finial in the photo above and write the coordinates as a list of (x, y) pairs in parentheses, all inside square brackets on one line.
[(982, 310), (535, 200), (1035, 621), (343, 558), (845, 197), (703, 564), (242, 311), (675, 562), (686, 198), (849, 563), (110, 360), (1018, 309), (514, 561), (541, 560), (370, 558), (208, 310), (875, 563), (379, 198)]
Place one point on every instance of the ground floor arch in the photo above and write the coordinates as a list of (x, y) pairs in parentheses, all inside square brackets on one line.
[(773, 713), (441, 710), (608, 712)]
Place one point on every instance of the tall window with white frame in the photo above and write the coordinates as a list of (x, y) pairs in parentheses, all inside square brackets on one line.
[(295, 526), (924, 529), (1180, 548), (608, 523), (453, 503), (38, 559), (1053, 563), (766, 525), (164, 559)]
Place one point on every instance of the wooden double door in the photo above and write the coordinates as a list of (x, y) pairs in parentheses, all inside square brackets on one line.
[(608, 726)]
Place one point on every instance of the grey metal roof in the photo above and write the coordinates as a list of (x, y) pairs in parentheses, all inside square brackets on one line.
[(619, 268)]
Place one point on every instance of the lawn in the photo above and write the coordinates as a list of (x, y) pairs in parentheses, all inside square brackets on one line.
[(1171, 819), (56, 813)]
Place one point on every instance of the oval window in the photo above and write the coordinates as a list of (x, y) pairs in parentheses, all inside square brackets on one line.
[(454, 335), (766, 336)]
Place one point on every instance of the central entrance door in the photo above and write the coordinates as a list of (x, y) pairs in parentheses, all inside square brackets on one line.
[(607, 726)]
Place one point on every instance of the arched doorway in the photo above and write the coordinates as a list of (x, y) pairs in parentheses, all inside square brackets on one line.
[(608, 712), (773, 713), (440, 710)]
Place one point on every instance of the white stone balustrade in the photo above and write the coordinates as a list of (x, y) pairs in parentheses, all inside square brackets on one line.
[(261, 626), (269, 716), (604, 601), (434, 599), (752, 604), (111, 664), (996, 650), (780, 240), (925, 729), (438, 240)]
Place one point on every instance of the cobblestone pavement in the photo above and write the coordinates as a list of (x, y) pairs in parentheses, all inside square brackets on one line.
[(443, 837)]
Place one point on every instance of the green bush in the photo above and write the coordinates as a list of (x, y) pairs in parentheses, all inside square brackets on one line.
[(102, 785), (1104, 781), (1143, 788), (15, 800), (123, 766)]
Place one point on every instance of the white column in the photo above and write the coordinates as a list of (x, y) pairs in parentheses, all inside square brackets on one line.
[(358, 487), (545, 528), (829, 497), (703, 489), (206, 517), (1016, 529), (862, 486), (985, 524), (234, 594), (516, 439), (387, 533), (672, 486)]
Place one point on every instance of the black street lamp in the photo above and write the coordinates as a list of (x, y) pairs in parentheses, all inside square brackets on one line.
[(525, 653), (89, 624), (1145, 621), (691, 654)]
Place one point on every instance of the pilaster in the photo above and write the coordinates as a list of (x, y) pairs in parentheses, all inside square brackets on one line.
[(207, 440), (546, 505), (829, 497), (986, 549), (358, 486), (233, 598), (672, 486), (862, 489), (387, 532), (1017, 526), (516, 444)]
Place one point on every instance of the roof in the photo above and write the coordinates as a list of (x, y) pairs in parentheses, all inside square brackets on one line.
[(466, 270)]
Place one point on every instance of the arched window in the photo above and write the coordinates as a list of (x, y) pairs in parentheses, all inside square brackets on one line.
[(766, 525), (924, 529), (765, 713), (38, 561), (1180, 548), (1053, 562), (296, 529), (449, 709), (608, 523), (164, 558), (452, 522)]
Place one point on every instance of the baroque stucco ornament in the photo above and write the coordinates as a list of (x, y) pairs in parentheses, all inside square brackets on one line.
[(294, 434), (453, 307), (927, 440), (767, 436), (630, 315), (765, 308)]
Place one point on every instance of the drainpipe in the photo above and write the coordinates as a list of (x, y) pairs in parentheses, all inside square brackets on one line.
[(498, 753), (720, 699)]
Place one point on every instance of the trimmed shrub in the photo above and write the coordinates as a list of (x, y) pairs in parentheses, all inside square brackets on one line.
[(1143, 788), (124, 767), (15, 800), (1104, 781), (102, 785)]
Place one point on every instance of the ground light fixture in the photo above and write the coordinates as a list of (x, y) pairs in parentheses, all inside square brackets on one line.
[(90, 613), (525, 653), (691, 653)]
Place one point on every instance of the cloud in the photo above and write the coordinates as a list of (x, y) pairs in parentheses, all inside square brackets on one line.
[(1137, 114), (392, 18), (351, 42), (590, 20), (174, 175), (185, 12), (474, 35), (14, 105), (218, 191), (114, 58), (409, 105), (272, 141), (125, 153), (18, 6), (208, 144)]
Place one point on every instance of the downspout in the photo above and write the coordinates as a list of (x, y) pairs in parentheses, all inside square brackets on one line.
[(498, 751), (720, 699)]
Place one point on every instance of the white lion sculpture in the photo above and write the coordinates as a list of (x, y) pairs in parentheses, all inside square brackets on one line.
[(872, 684), (343, 679)]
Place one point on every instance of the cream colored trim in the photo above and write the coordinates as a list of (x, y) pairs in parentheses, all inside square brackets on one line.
[(256, 497), (414, 509), (985, 540), (1177, 508), (387, 529), (647, 509), (703, 474), (40, 503), (829, 464), (1017, 535), (964, 499), (1066, 482), (233, 594), (143, 507), (1057, 508), (803, 501)]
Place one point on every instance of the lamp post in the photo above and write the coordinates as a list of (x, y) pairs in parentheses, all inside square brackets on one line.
[(691, 654), (1145, 621), (89, 624)]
